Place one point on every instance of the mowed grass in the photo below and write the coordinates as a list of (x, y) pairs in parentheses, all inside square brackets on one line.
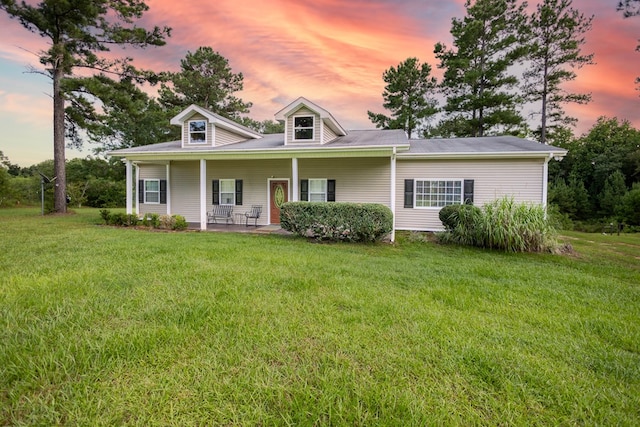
[(108, 326)]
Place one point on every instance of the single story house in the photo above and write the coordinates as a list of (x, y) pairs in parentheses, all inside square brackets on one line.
[(220, 162)]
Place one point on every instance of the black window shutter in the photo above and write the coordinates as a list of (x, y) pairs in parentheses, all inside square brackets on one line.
[(238, 192), (331, 190), (215, 185), (141, 191), (304, 190), (408, 193), (468, 192), (163, 191)]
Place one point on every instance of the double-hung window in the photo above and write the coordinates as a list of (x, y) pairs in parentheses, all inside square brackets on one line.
[(317, 190), (437, 193), (197, 132), (302, 128), (227, 191), (151, 191)]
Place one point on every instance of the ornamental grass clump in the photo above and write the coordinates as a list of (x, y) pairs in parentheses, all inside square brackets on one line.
[(502, 224)]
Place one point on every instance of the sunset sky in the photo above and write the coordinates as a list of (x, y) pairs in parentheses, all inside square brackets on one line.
[(332, 52)]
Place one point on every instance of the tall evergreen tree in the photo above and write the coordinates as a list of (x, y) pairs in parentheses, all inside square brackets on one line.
[(77, 31), (407, 96), (205, 79), (557, 36), (477, 80)]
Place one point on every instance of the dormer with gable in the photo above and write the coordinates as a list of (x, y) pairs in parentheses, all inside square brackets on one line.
[(306, 123), (203, 128)]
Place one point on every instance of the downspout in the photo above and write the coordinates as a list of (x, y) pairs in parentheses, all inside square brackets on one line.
[(393, 194)]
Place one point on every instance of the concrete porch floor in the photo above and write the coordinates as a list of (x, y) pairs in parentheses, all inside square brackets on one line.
[(241, 228)]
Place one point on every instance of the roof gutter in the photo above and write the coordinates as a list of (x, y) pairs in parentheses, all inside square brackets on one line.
[(475, 155), (361, 151)]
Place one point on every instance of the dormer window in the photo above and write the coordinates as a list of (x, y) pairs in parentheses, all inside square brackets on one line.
[(302, 128), (197, 132)]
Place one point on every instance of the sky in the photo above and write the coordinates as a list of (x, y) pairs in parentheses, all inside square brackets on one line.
[(333, 52)]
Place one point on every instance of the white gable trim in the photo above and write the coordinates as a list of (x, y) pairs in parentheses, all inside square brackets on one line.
[(214, 119), (325, 116)]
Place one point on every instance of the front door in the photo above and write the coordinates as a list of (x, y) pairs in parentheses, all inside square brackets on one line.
[(279, 194)]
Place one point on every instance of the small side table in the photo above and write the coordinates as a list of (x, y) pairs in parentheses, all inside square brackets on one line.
[(239, 217)]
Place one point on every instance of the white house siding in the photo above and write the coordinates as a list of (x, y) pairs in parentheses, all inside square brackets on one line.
[(360, 180), (224, 137), (185, 130), (493, 179), (185, 189), (303, 111), (255, 176), (327, 134), (152, 172)]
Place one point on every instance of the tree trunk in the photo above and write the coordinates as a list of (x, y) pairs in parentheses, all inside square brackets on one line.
[(545, 94), (59, 161)]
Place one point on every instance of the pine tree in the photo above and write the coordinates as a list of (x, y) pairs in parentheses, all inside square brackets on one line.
[(205, 79), (77, 31), (406, 95), (479, 87), (557, 35)]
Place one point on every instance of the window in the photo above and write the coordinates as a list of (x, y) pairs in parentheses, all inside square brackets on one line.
[(317, 190), (197, 132), (151, 191), (438, 193), (302, 128), (227, 191)]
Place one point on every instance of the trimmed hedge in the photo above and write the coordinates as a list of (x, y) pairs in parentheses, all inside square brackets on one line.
[(351, 222)]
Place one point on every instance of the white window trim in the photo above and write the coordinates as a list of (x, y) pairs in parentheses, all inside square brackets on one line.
[(233, 192), (145, 191), (312, 127), (326, 189), (415, 191), (189, 132)]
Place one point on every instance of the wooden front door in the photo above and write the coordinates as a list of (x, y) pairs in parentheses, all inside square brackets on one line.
[(279, 194)]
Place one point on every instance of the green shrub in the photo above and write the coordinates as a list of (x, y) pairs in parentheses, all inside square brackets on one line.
[(105, 214), (448, 216), (180, 223), (151, 220), (353, 222)]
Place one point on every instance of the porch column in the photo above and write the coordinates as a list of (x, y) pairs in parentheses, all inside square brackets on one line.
[(203, 194), (545, 181), (393, 194), (294, 179), (138, 190), (129, 169), (168, 188)]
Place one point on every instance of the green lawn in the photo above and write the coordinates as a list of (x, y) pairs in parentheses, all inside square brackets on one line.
[(106, 326)]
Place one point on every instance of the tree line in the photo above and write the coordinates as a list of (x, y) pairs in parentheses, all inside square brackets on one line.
[(501, 59)]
